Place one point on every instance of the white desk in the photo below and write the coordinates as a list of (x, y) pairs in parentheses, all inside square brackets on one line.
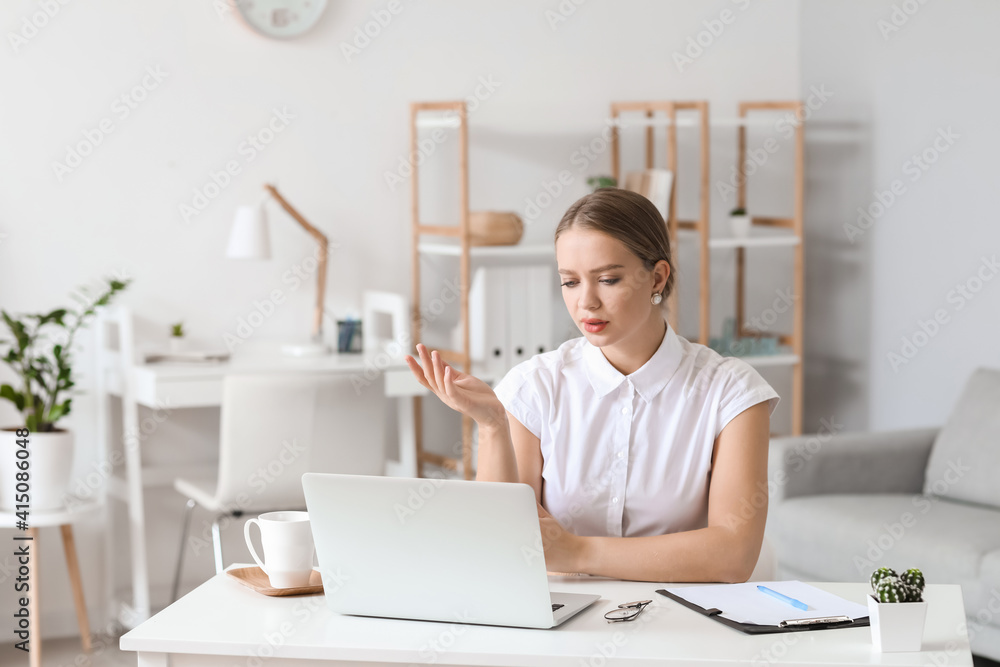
[(224, 623), (177, 386)]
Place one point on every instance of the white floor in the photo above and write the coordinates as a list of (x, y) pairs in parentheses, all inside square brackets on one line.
[(66, 652)]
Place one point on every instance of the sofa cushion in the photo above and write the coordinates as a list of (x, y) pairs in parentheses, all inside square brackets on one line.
[(845, 537), (965, 457), (984, 605)]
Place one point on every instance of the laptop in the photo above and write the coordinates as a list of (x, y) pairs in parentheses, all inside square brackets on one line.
[(434, 550)]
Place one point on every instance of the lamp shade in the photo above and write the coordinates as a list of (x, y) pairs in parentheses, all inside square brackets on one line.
[(249, 238)]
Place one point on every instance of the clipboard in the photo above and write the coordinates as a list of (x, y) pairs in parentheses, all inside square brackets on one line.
[(754, 629)]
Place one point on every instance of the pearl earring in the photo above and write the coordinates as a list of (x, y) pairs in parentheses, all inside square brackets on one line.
[(656, 299)]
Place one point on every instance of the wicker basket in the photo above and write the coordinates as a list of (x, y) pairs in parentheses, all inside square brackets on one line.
[(494, 228)]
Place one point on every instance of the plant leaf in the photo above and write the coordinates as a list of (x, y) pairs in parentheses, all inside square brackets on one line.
[(15, 397), (57, 412), (55, 316)]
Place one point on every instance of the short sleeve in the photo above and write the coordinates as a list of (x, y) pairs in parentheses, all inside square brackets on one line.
[(744, 388), (520, 397)]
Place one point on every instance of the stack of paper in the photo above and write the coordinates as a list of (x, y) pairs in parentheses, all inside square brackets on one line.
[(743, 603)]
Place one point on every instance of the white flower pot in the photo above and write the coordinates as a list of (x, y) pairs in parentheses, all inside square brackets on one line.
[(177, 344), (50, 464), (897, 626), (740, 225)]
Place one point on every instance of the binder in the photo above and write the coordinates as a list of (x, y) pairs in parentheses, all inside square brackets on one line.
[(540, 287), (755, 629), (518, 335), (488, 321)]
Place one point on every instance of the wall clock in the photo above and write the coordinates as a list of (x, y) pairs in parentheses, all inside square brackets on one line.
[(281, 19)]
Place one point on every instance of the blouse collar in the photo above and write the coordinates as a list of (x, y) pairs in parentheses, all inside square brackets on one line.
[(648, 380)]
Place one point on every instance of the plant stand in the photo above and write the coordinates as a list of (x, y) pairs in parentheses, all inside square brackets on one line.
[(64, 519)]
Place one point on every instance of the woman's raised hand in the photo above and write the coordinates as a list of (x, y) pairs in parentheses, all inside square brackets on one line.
[(461, 392)]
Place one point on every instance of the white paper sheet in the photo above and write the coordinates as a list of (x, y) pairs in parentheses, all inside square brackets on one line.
[(745, 604)]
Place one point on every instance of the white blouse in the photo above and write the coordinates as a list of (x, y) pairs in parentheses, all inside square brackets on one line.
[(628, 456)]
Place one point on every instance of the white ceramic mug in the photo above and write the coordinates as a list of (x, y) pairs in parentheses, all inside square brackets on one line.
[(287, 541)]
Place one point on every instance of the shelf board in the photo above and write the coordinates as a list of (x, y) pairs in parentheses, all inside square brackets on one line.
[(439, 119), (500, 252), (693, 121), (754, 241), (759, 360), (763, 241)]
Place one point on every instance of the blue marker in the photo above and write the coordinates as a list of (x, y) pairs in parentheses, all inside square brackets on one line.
[(784, 598)]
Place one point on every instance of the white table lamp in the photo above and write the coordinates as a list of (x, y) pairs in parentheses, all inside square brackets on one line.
[(249, 239)]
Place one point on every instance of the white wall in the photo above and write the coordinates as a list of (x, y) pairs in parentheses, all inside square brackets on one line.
[(118, 212), (937, 72)]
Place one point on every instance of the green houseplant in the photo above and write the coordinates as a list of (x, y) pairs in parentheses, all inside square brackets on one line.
[(176, 337), (39, 350), (896, 609), (598, 182)]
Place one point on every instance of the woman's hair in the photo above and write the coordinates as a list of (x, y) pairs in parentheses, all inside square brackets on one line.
[(628, 217)]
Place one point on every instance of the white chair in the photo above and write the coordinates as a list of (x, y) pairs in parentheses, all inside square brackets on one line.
[(265, 441)]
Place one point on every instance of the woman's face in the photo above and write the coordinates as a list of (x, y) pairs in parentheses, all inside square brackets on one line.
[(605, 287)]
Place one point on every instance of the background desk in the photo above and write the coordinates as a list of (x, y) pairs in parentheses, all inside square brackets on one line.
[(222, 620), (200, 385)]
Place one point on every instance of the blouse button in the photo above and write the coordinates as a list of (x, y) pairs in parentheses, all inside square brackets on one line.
[(615, 500), (621, 454), (624, 411)]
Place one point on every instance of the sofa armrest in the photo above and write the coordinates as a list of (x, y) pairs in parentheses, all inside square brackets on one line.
[(884, 462)]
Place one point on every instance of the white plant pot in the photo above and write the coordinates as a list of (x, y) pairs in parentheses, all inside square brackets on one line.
[(50, 464), (740, 225), (176, 344), (897, 626)]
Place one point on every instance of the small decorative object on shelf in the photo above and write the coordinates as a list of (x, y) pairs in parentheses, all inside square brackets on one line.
[(730, 345), (739, 222), (897, 609), (598, 182), (177, 337), (349, 335), (494, 228)]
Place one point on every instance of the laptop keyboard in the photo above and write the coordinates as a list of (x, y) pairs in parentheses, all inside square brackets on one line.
[(557, 606)]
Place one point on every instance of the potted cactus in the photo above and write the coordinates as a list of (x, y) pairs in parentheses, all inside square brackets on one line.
[(896, 609), (739, 222)]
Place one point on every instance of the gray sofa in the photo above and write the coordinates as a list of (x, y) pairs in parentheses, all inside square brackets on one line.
[(842, 505)]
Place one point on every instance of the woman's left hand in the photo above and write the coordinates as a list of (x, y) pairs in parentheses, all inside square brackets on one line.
[(563, 549)]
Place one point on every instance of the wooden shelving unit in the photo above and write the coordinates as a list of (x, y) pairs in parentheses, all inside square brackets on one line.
[(457, 119), (700, 223), (795, 241), (454, 240), (665, 114)]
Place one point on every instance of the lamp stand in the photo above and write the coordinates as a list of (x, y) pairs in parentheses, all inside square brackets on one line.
[(317, 347)]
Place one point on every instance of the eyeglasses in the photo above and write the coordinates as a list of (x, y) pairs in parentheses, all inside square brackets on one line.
[(628, 611)]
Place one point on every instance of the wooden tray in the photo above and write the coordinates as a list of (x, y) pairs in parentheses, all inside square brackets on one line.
[(254, 577)]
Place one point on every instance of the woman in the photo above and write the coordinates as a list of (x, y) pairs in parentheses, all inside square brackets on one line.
[(647, 453)]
